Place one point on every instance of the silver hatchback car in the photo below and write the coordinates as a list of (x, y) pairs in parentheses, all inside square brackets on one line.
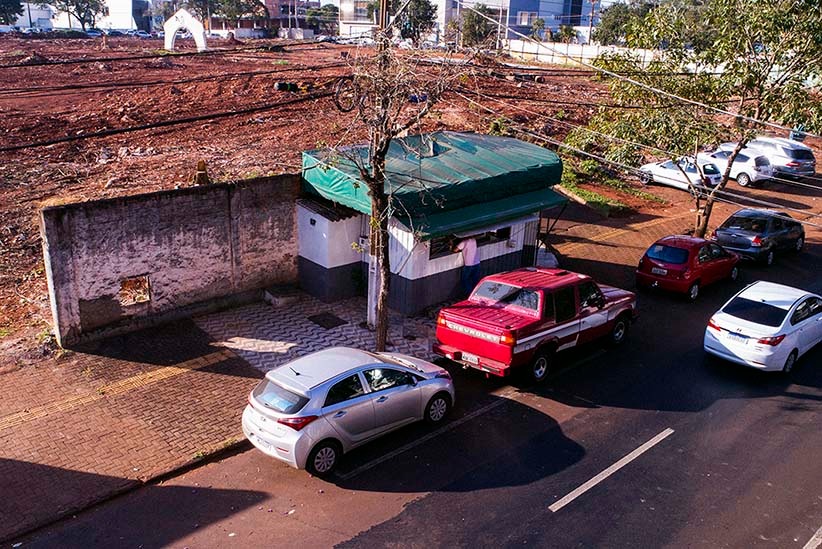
[(310, 411)]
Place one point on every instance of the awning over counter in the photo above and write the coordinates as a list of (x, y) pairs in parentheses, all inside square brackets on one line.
[(443, 182), (481, 216)]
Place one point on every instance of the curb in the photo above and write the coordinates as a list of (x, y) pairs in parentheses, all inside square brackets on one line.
[(133, 485)]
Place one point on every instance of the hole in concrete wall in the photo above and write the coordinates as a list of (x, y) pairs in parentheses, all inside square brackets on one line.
[(135, 289)]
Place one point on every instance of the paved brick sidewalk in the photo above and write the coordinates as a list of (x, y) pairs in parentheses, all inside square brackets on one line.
[(95, 422)]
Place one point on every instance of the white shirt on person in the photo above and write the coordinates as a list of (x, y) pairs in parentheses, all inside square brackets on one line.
[(468, 247)]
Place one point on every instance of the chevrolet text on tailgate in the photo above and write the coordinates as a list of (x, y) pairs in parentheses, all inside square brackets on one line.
[(521, 318)]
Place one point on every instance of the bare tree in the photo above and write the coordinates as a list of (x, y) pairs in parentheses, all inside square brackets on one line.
[(392, 92)]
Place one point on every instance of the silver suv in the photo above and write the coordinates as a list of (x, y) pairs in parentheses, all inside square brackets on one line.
[(788, 158), (310, 411)]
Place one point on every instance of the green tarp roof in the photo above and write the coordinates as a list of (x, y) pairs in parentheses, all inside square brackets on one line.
[(444, 182)]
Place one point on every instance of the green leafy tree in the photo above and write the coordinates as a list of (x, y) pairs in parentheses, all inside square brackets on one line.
[(566, 34), (234, 10), (416, 20), (85, 11), (323, 19), (10, 10), (538, 28), (477, 29), (614, 21), (758, 68)]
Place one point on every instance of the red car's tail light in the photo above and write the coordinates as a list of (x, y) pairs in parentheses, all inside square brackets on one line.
[(507, 338), (296, 423), (772, 341)]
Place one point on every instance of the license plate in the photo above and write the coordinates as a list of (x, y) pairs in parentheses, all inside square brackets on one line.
[(262, 442), (468, 357), (738, 338), (658, 271)]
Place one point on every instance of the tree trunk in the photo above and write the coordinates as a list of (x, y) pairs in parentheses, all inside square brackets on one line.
[(379, 246), (701, 228)]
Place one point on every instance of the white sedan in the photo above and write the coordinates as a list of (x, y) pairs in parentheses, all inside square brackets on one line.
[(766, 326), (699, 174), (750, 166)]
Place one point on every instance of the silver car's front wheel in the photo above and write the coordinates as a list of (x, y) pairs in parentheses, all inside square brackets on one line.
[(438, 407)]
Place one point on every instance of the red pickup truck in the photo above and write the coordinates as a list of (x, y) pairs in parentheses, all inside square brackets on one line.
[(521, 318)]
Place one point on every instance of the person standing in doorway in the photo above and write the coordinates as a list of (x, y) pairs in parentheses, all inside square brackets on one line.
[(470, 264)]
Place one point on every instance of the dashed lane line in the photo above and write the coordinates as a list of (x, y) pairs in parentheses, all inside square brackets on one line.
[(815, 541), (116, 388), (559, 504)]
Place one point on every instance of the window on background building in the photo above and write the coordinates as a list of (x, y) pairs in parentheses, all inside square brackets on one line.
[(526, 18)]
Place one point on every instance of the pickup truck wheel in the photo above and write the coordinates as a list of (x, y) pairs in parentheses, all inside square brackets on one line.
[(619, 331), (541, 366)]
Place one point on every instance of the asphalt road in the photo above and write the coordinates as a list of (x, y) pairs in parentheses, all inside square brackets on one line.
[(648, 445)]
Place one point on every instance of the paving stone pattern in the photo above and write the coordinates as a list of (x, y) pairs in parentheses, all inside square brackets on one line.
[(267, 337), (104, 419)]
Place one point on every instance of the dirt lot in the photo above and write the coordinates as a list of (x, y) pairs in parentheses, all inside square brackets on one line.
[(42, 103)]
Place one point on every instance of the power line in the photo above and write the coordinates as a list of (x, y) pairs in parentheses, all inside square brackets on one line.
[(634, 170), (100, 86), (165, 123), (633, 143), (171, 55), (627, 79)]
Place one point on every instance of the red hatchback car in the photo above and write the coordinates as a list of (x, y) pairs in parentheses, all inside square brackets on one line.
[(684, 264)]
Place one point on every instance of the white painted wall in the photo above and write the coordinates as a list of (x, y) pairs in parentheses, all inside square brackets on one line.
[(327, 243)]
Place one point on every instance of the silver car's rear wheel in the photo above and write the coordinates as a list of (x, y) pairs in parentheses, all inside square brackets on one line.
[(323, 458), (437, 408), (743, 180)]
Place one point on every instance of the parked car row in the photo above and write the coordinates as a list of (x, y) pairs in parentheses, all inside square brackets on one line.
[(309, 412), (761, 160)]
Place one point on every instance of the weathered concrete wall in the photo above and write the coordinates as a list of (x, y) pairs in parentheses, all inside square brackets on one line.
[(196, 246)]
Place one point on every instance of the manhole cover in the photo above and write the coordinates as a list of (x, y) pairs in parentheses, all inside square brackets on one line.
[(327, 320)]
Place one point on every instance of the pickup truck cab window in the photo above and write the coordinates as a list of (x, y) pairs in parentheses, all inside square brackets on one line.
[(589, 295), (565, 304)]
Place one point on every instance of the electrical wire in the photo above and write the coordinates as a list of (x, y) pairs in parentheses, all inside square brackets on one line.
[(46, 91), (634, 170), (629, 142), (627, 79), (165, 123), (219, 51)]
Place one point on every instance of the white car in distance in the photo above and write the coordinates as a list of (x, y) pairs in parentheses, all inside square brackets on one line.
[(700, 174), (749, 166), (767, 326)]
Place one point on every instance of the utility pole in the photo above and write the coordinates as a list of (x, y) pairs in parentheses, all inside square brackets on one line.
[(499, 27), (591, 20), (28, 5)]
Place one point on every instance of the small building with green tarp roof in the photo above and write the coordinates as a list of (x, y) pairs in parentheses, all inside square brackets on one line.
[(441, 186)]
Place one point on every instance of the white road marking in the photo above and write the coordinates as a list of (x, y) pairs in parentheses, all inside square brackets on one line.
[(557, 505), (510, 394), (815, 541)]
